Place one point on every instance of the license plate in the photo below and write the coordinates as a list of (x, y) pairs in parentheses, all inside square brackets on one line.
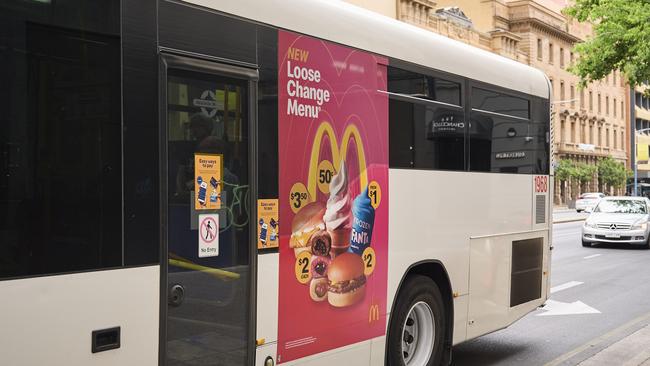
[(613, 235)]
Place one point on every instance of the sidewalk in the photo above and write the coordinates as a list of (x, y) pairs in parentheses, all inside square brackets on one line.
[(633, 350)]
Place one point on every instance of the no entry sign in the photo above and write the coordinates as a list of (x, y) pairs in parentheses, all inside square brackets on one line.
[(208, 235)]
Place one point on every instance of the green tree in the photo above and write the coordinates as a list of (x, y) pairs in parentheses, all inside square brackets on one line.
[(564, 170), (612, 173), (584, 173), (621, 39)]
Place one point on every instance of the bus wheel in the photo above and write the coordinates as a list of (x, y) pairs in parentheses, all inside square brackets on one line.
[(418, 324)]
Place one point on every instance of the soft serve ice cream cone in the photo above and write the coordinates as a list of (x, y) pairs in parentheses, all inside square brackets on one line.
[(338, 213)]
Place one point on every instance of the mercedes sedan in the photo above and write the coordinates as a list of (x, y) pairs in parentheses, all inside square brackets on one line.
[(618, 220)]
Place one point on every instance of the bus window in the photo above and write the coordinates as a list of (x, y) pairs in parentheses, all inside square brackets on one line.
[(61, 193), (426, 136)]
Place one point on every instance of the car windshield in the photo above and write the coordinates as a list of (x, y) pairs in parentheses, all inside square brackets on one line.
[(621, 206)]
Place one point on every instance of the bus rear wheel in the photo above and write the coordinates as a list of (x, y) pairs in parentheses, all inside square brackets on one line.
[(418, 325)]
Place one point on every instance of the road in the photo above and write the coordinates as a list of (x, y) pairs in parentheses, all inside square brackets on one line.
[(612, 280)]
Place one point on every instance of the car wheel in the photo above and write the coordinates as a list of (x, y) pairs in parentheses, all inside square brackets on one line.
[(418, 325), (586, 244), (647, 244), (578, 211)]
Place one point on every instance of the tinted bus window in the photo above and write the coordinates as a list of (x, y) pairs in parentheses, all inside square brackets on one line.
[(426, 136), (423, 86), (491, 101), (60, 187), (507, 145)]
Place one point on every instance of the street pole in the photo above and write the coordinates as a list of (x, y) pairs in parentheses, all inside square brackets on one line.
[(633, 137)]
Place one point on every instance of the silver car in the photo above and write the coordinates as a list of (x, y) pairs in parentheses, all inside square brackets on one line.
[(587, 201), (618, 220)]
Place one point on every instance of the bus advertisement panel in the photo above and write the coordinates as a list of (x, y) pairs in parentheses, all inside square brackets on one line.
[(333, 157)]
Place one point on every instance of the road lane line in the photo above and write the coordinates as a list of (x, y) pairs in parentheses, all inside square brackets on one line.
[(565, 286), (592, 256), (599, 340)]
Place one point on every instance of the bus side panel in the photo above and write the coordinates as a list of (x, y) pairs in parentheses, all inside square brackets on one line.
[(50, 320), (437, 212)]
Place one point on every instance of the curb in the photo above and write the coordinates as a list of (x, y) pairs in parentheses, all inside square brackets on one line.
[(562, 221)]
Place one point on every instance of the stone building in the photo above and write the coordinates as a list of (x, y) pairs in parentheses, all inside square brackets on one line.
[(589, 123)]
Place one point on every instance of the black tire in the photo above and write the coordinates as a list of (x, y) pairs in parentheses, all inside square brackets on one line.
[(578, 211), (647, 244), (415, 289), (586, 244)]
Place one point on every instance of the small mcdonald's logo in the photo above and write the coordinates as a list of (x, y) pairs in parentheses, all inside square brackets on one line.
[(373, 313)]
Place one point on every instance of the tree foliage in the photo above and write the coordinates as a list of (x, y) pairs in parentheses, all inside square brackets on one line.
[(564, 170), (577, 172), (621, 39), (612, 173), (585, 172)]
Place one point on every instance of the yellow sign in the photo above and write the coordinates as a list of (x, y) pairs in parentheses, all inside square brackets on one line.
[(303, 267), (208, 184), (642, 152), (267, 224)]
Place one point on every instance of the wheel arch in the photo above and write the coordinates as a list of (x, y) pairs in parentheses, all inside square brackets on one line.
[(435, 270)]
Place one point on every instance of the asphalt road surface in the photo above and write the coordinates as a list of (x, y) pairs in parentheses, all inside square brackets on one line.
[(605, 292)]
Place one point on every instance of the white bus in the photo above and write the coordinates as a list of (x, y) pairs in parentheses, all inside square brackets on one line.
[(215, 182)]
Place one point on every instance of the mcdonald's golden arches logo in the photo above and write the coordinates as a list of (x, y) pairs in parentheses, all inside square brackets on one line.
[(373, 313)]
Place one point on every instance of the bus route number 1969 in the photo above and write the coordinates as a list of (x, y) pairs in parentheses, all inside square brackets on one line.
[(541, 184)]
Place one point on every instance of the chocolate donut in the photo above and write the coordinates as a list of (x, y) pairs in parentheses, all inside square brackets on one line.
[(321, 243)]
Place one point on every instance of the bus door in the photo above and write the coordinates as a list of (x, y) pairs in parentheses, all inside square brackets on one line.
[(207, 188)]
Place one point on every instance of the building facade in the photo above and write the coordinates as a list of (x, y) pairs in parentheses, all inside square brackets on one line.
[(642, 124), (589, 123)]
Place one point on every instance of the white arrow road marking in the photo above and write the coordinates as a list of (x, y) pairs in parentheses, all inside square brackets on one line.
[(565, 286), (592, 256), (565, 308)]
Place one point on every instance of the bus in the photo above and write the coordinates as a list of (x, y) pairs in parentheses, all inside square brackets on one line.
[(213, 182)]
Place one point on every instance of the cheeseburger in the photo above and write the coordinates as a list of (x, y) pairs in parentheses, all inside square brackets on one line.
[(346, 281), (307, 226)]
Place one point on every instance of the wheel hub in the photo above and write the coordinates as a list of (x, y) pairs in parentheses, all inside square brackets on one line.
[(418, 335)]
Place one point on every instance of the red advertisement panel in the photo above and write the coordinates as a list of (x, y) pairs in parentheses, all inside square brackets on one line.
[(333, 138)]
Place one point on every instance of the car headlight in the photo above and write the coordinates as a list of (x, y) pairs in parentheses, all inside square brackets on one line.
[(591, 224), (640, 226)]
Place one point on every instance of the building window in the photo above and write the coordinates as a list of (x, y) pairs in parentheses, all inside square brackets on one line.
[(571, 58), (622, 110), (562, 95), (622, 139), (552, 87), (614, 107), (591, 101), (607, 105), (607, 137), (600, 136), (599, 103), (561, 57), (583, 132), (582, 98), (573, 96), (573, 132), (539, 49), (615, 140), (591, 133), (562, 132), (550, 53), (614, 78)]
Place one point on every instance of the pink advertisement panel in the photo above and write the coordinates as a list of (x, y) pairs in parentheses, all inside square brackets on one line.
[(333, 138)]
